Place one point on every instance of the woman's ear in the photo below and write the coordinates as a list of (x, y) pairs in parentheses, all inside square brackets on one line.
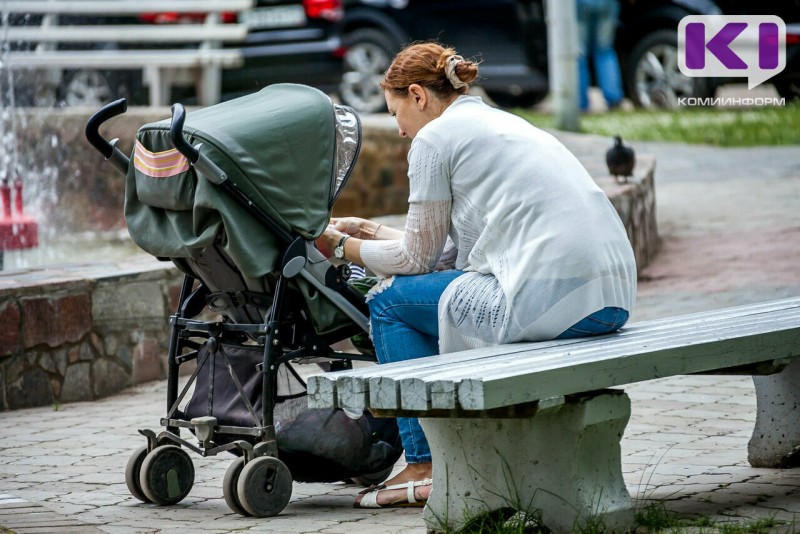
[(420, 96)]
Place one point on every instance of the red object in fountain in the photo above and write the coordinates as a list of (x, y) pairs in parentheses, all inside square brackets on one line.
[(17, 230)]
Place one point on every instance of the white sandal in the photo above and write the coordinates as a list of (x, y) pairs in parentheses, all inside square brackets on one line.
[(370, 499)]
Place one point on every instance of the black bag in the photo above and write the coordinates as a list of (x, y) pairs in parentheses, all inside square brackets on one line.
[(317, 445)]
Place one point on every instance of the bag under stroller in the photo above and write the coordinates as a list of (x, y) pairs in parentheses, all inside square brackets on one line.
[(234, 195)]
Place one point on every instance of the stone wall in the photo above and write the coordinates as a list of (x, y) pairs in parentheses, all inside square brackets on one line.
[(84, 331), (635, 202)]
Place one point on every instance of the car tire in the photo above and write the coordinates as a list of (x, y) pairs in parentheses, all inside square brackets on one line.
[(369, 54), (89, 88), (652, 77), (790, 90), (523, 100), (94, 88)]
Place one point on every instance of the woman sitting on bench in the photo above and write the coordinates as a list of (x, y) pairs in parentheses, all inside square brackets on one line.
[(507, 239)]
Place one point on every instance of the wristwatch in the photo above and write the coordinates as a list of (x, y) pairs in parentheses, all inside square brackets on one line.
[(339, 250)]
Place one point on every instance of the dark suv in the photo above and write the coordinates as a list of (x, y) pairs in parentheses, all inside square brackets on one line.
[(289, 41), (511, 36), (295, 41)]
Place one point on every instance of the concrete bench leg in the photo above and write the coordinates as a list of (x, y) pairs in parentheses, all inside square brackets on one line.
[(776, 437), (563, 462)]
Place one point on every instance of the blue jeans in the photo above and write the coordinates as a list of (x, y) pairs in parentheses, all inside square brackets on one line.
[(597, 27), (405, 326)]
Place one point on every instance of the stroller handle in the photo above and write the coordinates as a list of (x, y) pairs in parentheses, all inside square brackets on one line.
[(92, 131), (176, 134), (108, 149)]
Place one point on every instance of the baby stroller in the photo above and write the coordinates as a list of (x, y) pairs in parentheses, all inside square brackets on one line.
[(234, 195)]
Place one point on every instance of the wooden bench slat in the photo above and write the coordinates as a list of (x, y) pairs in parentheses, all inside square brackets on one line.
[(474, 394), (421, 382), (384, 382), (630, 343), (648, 359), (446, 360), (115, 7), (128, 33)]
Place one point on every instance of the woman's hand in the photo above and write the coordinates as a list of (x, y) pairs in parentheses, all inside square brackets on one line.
[(364, 229), (328, 240), (353, 226)]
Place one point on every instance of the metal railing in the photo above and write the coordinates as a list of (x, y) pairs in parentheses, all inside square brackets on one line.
[(168, 54)]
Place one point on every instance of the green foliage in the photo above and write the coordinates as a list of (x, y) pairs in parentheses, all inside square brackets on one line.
[(656, 518), (765, 525), (651, 518), (763, 126)]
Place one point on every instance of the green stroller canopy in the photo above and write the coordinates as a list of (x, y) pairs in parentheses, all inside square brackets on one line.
[(288, 148)]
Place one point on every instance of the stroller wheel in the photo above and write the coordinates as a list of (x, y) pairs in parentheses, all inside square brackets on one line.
[(265, 486), (229, 486), (132, 471), (167, 475)]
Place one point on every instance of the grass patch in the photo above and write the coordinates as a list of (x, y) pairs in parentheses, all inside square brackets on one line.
[(765, 126), (650, 519), (656, 518)]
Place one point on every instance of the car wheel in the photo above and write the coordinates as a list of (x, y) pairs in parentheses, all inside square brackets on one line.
[(652, 75), (788, 90), (523, 100), (369, 53), (90, 88)]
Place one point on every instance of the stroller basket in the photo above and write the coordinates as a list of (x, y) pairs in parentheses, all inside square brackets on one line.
[(234, 195)]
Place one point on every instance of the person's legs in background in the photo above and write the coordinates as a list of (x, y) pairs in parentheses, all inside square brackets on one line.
[(606, 62), (584, 53), (597, 28)]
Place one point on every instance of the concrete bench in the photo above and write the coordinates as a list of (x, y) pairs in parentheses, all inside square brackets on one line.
[(533, 426), (168, 54)]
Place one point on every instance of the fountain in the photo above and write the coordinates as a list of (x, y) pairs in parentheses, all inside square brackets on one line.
[(18, 231), (71, 210)]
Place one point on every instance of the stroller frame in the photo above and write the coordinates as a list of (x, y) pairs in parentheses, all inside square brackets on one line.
[(258, 483)]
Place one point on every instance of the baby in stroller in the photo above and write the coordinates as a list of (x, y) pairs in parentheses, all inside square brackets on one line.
[(235, 195)]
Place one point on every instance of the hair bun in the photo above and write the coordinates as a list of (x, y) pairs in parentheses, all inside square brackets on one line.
[(450, 71)]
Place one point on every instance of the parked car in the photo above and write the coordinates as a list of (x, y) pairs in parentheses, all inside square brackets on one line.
[(288, 41), (647, 45), (511, 36)]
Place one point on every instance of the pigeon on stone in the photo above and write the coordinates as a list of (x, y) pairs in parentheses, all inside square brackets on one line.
[(620, 160)]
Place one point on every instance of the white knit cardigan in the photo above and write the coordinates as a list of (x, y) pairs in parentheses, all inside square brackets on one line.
[(541, 244)]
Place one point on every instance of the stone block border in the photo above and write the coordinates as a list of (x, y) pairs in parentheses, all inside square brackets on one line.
[(84, 331)]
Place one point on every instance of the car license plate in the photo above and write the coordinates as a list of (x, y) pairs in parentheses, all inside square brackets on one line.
[(274, 17)]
